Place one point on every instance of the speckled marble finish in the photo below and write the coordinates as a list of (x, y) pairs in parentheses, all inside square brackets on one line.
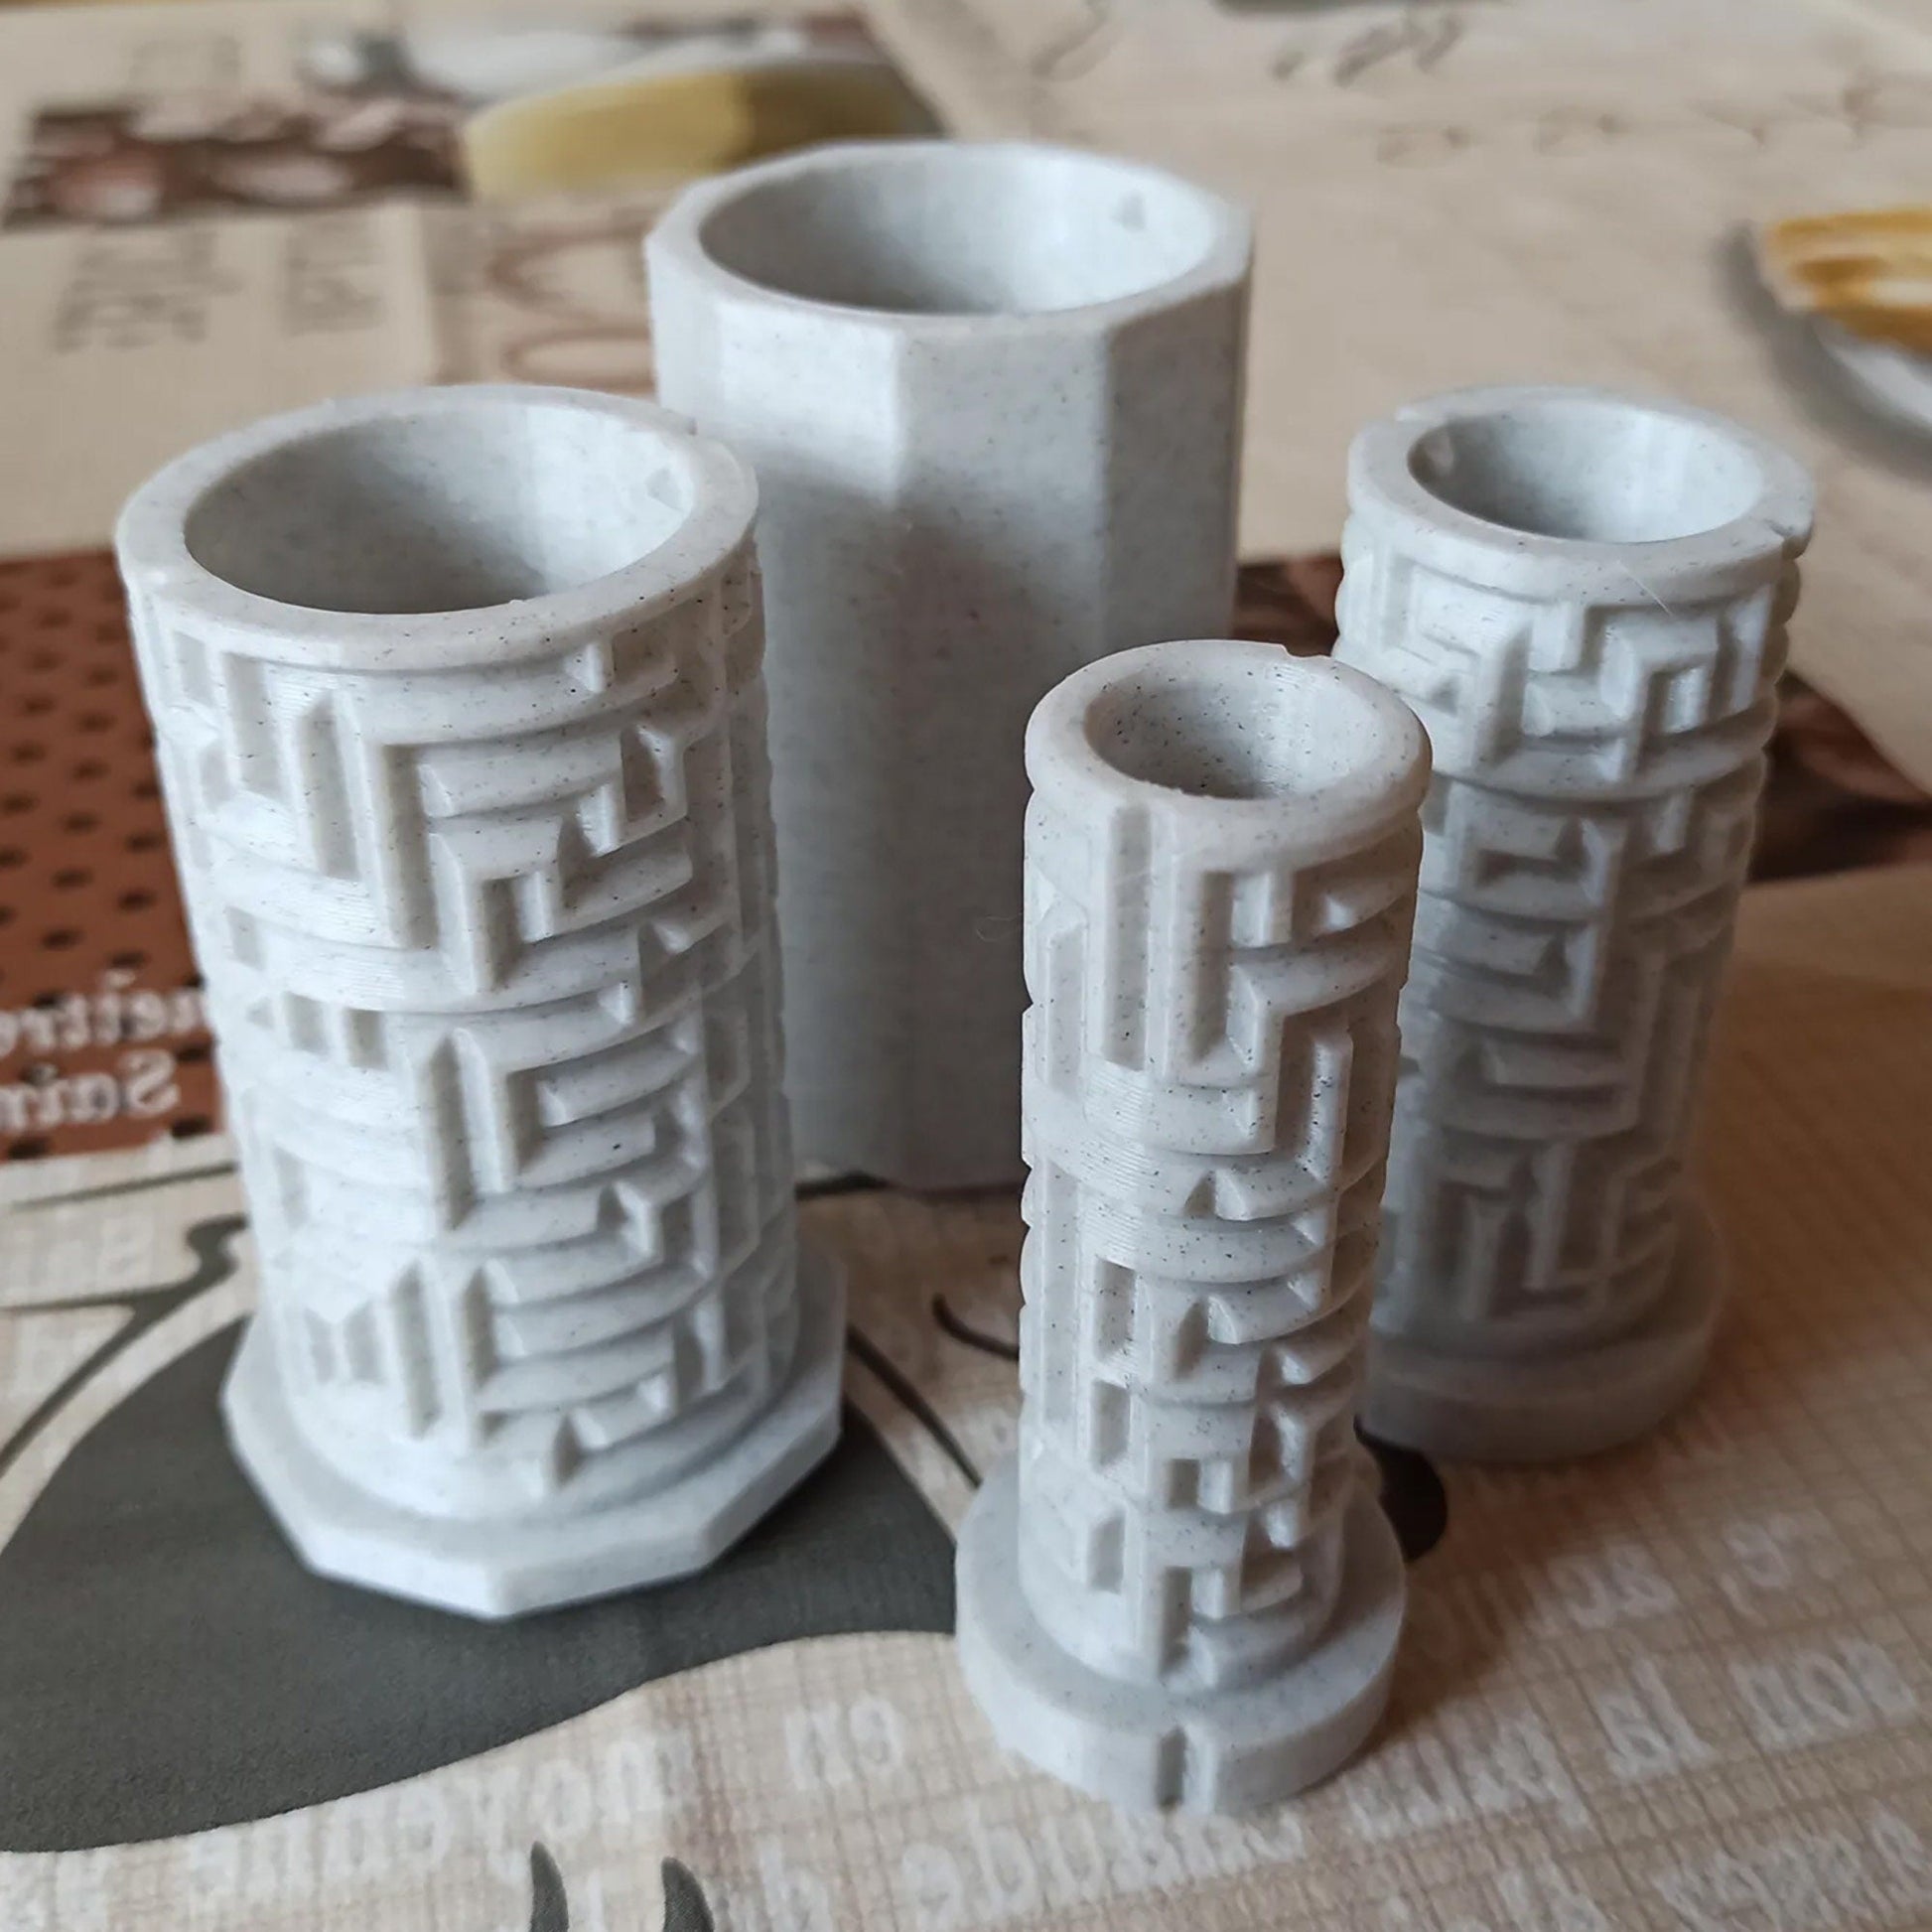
[(457, 702), (1183, 1592), (993, 397), (1585, 599)]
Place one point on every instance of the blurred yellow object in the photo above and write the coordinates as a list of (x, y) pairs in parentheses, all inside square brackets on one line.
[(619, 129), (1867, 270)]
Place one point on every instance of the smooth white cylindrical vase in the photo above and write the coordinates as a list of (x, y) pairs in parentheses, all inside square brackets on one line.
[(992, 394), (1185, 1591), (457, 702), (1584, 598)]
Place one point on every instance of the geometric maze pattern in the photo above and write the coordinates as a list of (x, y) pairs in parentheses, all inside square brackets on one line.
[(1597, 764), (490, 958), (1208, 1064)]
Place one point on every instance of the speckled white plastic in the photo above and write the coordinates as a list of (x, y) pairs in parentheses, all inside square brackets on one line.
[(992, 396), (457, 701), (1585, 599), (1185, 1592)]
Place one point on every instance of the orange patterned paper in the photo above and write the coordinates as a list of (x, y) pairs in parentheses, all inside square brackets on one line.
[(102, 1038)]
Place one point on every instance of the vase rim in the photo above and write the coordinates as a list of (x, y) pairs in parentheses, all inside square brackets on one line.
[(1241, 747), (1217, 252), (1545, 487), (701, 502)]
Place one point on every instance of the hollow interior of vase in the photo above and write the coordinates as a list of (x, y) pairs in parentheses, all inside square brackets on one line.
[(1589, 468), (453, 508), (1273, 731), (963, 230)]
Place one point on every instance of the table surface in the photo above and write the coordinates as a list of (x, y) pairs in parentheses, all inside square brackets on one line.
[(1686, 1686)]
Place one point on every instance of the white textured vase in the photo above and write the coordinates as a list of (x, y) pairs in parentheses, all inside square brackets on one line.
[(1585, 599), (992, 394), (1185, 1592), (457, 701)]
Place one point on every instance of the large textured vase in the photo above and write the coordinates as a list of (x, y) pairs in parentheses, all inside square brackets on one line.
[(1183, 1592), (457, 701), (1585, 599), (992, 394)]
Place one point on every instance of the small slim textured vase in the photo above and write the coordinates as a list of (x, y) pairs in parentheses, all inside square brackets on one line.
[(1185, 1591), (457, 701), (1585, 599), (993, 397)]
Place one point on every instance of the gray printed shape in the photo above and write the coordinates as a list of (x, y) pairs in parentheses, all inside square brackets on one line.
[(549, 1900), (248, 1687), (685, 1906)]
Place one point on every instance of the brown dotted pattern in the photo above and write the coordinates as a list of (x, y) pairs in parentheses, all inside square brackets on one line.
[(89, 908)]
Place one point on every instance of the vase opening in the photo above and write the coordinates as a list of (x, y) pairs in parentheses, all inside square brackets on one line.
[(1243, 732), (1589, 468), (474, 502), (963, 230)]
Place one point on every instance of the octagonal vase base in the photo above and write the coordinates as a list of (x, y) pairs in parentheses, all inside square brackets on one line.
[(505, 1567)]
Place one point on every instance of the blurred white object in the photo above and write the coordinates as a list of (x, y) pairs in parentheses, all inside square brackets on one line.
[(1585, 599), (486, 61), (1893, 380), (1186, 1592), (493, 61), (458, 700), (1861, 279), (284, 180), (993, 397)]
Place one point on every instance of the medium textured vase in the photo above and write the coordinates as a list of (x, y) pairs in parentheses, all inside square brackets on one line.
[(1584, 598), (1185, 1592), (457, 702), (992, 394)]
